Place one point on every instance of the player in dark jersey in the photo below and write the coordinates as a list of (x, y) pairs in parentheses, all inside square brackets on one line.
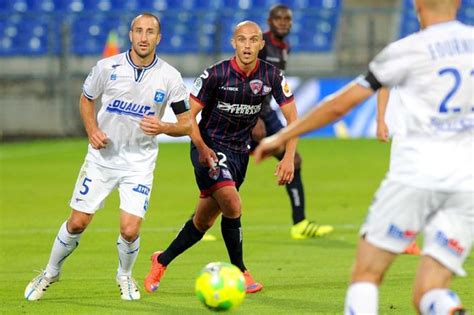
[(276, 52), (229, 94)]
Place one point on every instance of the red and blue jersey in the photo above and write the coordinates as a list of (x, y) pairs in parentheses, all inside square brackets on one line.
[(232, 101)]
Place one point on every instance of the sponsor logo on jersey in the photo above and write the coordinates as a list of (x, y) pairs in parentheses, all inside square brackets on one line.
[(239, 109), (286, 87), (229, 88), (128, 108), (142, 189), (159, 96), (196, 86), (256, 86), (396, 232), (450, 244)]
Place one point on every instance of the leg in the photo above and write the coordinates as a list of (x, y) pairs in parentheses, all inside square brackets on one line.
[(128, 242), (192, 231), (64, 244), (369, 269), (67, 240), (431, 288)]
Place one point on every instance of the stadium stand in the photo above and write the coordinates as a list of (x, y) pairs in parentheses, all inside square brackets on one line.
[(189, 26), (409, 23)]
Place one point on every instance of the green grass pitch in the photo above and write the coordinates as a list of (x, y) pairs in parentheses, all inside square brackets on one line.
[(300, 277)]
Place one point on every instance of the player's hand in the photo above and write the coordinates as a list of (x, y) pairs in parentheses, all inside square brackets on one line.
[(285, 171), (152, 125), (207, 157), (382, 131), (98, 139), (268, 147)]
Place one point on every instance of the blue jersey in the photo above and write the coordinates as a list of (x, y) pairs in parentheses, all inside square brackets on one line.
[(232, 101)]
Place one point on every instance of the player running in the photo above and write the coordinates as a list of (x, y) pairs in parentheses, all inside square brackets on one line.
[(136, 87), (230, 95), (430, 184)]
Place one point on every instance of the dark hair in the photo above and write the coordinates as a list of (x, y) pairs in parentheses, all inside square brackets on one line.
[(276, 8), (148, 14)]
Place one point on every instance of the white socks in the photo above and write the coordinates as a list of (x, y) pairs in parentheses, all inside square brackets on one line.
[(439, 302), (362, 298), (127, 252), (63, 246)]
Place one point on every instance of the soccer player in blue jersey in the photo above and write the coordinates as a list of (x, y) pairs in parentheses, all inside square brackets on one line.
[(229, 94), (276, 51), (429, 186), (135, 89)]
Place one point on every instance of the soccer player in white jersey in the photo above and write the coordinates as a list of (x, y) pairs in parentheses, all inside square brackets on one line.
[(430, 184), (136, 87)]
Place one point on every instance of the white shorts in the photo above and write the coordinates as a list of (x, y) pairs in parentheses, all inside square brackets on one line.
[(446, 219), (96, 182)]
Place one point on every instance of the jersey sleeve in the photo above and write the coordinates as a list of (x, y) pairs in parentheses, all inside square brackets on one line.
[(281, 89), (204, 86), (94, 84), (178, 95), (390, 66)]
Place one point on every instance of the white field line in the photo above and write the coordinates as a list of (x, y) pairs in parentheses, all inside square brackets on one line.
[(162, 229)]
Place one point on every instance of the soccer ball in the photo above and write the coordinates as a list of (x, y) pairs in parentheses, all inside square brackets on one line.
[(220, 286)]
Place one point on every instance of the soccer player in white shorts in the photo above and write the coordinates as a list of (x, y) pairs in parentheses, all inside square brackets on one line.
[(136, 88), (429, 187)]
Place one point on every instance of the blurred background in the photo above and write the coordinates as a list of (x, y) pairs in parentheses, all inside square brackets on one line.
[(47, 48)]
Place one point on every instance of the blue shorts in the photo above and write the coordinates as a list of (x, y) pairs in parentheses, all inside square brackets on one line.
[(230, 170)]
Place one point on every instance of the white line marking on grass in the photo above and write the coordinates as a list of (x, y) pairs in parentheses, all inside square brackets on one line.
[(48, 230)]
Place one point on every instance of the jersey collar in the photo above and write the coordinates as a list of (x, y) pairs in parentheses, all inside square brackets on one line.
[(235, 66), (129, 59), (276, 42)]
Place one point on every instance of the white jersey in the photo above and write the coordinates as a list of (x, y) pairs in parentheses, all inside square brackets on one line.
[(433, 71), (128, 94)]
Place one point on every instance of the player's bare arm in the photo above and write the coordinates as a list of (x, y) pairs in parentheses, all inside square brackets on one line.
[(153, 125), (382, 101), (206, 155), (97, 138), (330, 109), (286, 167)]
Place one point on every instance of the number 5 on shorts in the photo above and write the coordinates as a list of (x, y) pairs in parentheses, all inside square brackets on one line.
[(85, 189)]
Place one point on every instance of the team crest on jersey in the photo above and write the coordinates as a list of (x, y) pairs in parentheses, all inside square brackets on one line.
[(214, 172), (113, 77), (159, 96), (256, 86)]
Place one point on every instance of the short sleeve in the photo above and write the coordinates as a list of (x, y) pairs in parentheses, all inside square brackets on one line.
[(178, 95), (204, 86), (280, 89), (94, 84), (390, 66)]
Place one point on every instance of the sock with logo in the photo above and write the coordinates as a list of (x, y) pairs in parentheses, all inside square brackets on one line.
[(187, 237), (232, 233), (64, 244), (439, 302), (362, 298), (127, 253), (296, 193)]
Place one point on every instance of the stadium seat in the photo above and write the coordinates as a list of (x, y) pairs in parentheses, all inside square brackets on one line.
[(409, 22)]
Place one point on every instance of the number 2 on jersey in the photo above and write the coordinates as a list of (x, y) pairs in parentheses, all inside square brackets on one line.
[(443, 107)]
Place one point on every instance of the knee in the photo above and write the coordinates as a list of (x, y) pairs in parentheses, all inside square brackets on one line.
[(202, 224), (76, 225), (129, 232), (231, 206), (366, 275), (298, 161)]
